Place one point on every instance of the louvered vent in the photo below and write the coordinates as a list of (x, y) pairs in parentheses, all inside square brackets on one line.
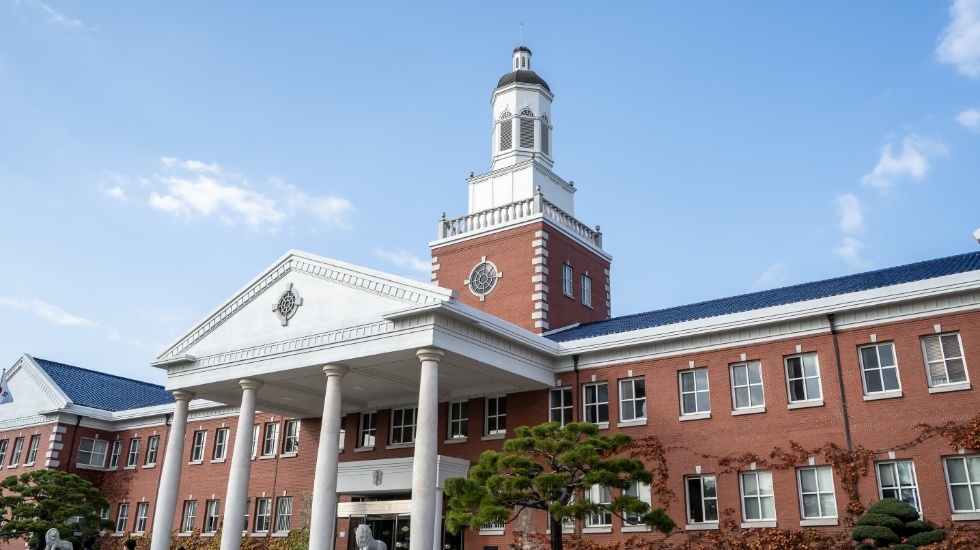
[(527, 128), (506, 131), (545, 145)]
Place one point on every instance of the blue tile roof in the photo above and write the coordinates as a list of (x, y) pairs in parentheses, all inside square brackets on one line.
[(775, 297), (99, 390)]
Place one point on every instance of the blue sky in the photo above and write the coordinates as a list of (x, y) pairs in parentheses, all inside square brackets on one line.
[(154, 157)]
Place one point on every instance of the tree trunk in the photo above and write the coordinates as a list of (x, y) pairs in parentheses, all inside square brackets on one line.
[(556, 540)]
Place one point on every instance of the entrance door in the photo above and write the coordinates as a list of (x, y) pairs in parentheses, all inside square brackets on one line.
[(385, 528)]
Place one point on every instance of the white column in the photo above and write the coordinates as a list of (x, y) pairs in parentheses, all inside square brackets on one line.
[(241, 465), (437, 528), (323, 517), (163, 516), (426, 435)]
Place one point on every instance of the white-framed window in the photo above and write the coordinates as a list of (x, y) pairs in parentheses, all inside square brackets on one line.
[(587, 290), (221, 444), (702, 499), (262, 510), (817, 492), (133, 457), (879, 368), (248, 510), (596, 403), (18, 450), (211, 516), (152, 448), (122, 518), (3, 450), (116, 451), (566, 280), (642, 492), (496, 415), (255, 439), (189, 517), (342, 435), (747, 385), (290, 443), (560, 405), (284, 512), (632, 399), (896, 479), (963, 481), (695, 395), (197, 448), (803, 378), (599, 494), (758, 497), (271, 440), (459, 415), (91, 452), (403, 425), (944, 359), (32, 449), (367, 430), (142, 511)]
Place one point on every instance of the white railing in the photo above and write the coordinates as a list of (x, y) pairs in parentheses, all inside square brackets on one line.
[(517, 210)]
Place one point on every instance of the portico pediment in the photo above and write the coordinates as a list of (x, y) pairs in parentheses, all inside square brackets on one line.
[(324, 296)]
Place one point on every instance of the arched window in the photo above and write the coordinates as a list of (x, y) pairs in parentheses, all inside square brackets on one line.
[(527, 128), (545, 135), (523, 62), (506, 131)]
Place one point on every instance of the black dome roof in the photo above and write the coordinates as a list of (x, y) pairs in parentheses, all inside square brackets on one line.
[(524, 77), (522, 49)]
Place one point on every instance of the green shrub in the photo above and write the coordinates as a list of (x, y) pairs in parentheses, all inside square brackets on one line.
[(901, 547), (881, 535), (865, 546), (894, 507), (928, 537), (917, 526), (882, 520)]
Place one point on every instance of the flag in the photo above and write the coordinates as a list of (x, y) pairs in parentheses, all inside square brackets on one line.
[(5, 395)]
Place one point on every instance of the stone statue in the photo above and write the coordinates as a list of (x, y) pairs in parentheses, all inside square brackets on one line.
[(365, 540), (54, 542)]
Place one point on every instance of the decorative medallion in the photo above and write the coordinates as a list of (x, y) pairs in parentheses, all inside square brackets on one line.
[(483, 278), (287, 305), (376, 476)]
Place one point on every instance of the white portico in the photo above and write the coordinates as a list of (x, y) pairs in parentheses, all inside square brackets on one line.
[(313, 337)]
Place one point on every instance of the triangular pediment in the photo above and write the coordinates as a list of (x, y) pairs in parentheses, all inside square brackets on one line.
[(334, 295), (34, 394)]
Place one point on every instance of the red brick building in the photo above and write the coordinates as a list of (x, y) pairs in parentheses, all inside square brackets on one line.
[(324, 395)]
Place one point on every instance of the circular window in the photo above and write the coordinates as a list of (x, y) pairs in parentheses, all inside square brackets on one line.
[(287, 304), (483, 278)]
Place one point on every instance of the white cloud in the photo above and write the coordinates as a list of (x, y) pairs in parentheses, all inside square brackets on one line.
[(330, 210), (959, 43), (849, 208), (970, 118), (57, 17), (912, 162), (47, 312), (771, 277), (402, 258), (204, 196), (850, 250), (192, 165), (115, 192)]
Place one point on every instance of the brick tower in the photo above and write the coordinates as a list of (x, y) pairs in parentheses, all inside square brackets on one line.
[(519, 253)]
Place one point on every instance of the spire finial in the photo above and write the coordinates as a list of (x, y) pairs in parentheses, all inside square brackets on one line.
[(522, 32)]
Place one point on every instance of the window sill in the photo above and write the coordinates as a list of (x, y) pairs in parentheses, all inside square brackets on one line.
[(84, 467), (28, 464), (883, 395), (635, 529), (591, 530), (696, 416), (493, 437), (218, 461), (455, 440), (702, 526), (820, 522), (749, 410), (149, 466), (12, 466), (267, 457), (207, 535), (363, 449), (123, 534), (293, 455), (183, 535), (631, 423), (259, 534), (133, 467), (400, 446), (805, 405), (280, 534), (191, 463), (759, 524), (602, 425), (958, 386), (491, 532), (965, 516)]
